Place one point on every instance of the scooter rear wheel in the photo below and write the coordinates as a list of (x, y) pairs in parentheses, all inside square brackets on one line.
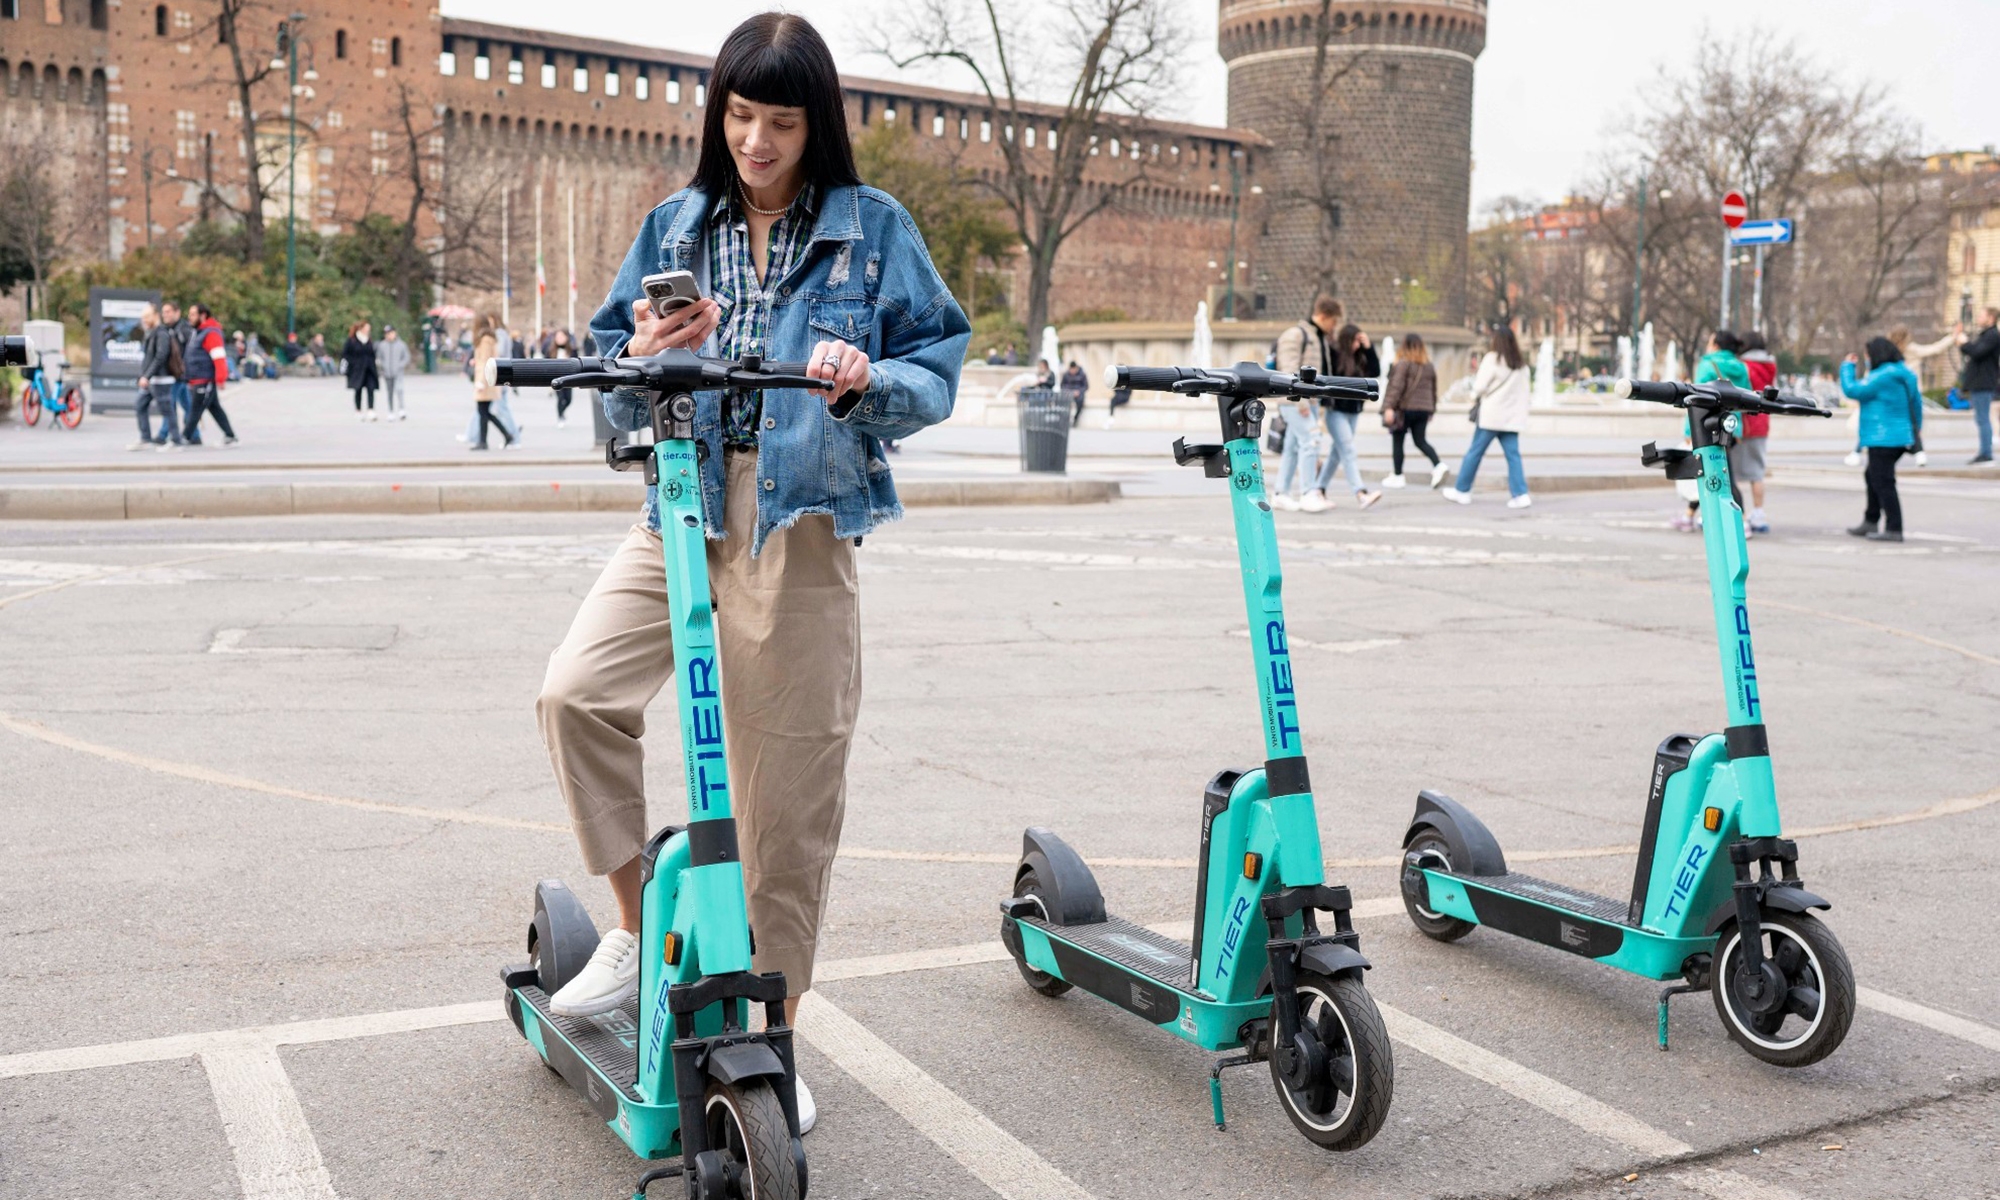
[(746, 1122), (1345, 1106), (1432, 924), (1026, 884), (1819, 991)]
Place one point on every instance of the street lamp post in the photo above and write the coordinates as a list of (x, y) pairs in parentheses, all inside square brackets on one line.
[(1235, 207), (1639, 262), (288, 33)]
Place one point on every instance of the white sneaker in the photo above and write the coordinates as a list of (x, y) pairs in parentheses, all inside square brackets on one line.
[(562, 423), (139, 445), (1521, 501), (808, 1111), (1285, 502), (1393, 481), (1366, 499), (1437, 476), (1455, 496), (1923, 459), (609, 979), (1316, 502), (1853, 459), (459, 436)]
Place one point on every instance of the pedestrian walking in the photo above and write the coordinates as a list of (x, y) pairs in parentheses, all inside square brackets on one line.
[(1074, 384), (1892, 416), (357, 359), (392, 362), (561, 345), (1747, 456), (1979, 378), (160, 372), (1352, 357), (502, 409), (485, 348), (207, 372), (183, 406), (1298, 456), (1499, 414), (1408, 403), (772, 199), (1723, 363)]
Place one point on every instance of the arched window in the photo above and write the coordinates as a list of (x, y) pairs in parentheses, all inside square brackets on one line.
[(100, 14), (396, 52), (159, 20), (340, 43)]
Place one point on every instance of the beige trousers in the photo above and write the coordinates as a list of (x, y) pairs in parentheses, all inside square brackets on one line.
[(789, 633)]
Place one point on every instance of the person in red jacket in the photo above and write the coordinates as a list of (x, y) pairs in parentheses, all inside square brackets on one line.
[(207, 370), (1746, 457)]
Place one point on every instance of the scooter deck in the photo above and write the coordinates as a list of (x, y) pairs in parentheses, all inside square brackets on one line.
[(1576, 900), (1162, 959), (608, 1041)]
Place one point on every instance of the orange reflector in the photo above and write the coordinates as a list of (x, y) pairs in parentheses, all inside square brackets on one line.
[(1711, 819), (671, 950), (1253, 865)]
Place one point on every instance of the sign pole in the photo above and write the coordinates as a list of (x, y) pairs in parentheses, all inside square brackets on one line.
[(537, 334), (1757, 291), (1728, 253), (506, 282), (1734, 209)]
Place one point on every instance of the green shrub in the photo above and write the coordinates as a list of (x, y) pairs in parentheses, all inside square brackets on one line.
[(1104, 315), (992, 331)]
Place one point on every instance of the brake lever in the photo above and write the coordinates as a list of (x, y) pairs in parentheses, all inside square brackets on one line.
[(600, 380)]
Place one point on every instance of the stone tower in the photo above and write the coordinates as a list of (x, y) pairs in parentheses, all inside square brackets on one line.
[(1367, 189)]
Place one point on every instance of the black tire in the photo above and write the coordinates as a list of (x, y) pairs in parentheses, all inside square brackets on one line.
[(1345, 1110), (1433, 925), (746, 1122), (1025, 884), (1819, 989)]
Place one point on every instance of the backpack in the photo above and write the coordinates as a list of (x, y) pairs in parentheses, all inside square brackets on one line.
[(1271, 351), (176, 365)]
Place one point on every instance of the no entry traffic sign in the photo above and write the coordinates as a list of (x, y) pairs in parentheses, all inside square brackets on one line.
[(1734, 209)]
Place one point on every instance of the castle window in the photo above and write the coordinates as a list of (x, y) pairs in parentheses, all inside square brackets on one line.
[(642, 87), (889, 114), (986, 131), (183, 19), (99, 16), (1340, 22), (673, 90), (340, 43), (517, 71), (700, 95), (1031, 137), (378, 46), (10, 10), (482, 67), (548, 70), (1052, 139), (964, 133), (159, 17), (937, 125), (395, 52), (1392, 76), (579, 79), (447, 63), (611, 83)]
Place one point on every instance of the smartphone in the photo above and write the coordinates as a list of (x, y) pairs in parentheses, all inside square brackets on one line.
[(670, 290)]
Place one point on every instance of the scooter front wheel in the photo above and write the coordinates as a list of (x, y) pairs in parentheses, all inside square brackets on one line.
[(1819, 991), (747, 1124), (1343, 1062)]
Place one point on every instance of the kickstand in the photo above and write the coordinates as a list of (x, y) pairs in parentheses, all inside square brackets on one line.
[(1215, 1082), (1666, 994), (653, 1176)]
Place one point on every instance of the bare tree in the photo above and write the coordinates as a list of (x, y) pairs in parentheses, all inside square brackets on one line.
[(35, 231), (248, 68), (1121, 67), (1504, 281), (1317, 179)]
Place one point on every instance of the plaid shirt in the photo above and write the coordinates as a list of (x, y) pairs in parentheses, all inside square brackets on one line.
[(745, 299)]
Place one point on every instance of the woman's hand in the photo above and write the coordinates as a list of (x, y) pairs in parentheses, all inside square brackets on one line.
[(685, 328), (1854, 359), (842, 363)]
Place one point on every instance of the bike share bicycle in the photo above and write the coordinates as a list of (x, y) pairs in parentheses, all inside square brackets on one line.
[(45, 388), (682, 1045), (1300, 1005), (1780, 981)]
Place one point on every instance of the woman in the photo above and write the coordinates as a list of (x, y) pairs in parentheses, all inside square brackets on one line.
[(392, 360), (1353, 357), (1499, 413), (1723, 363), (798, 262), (1892, 416), (485, 348), (560, 345), (1408, 404), (359, 356)]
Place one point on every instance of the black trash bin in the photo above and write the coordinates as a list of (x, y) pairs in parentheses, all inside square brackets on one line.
[(1044, 415)]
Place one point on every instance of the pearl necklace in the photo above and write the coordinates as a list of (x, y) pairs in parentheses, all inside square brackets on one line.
[(765, 212)]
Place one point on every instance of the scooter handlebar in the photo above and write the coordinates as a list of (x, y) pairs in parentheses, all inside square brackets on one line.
[(1243, 380), (14, 351), (1151, 379), (670, 368), (1718, 395), (539, 372)]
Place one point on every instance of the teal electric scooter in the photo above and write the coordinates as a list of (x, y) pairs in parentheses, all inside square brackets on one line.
[(682, 1045), (1705, 906), (1296, 1002)]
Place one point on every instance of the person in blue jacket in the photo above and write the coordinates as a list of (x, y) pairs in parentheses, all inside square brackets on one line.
[(1892, 414), (796, 261)]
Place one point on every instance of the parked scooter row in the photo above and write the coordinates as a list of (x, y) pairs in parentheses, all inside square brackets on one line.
[(679, 1072)]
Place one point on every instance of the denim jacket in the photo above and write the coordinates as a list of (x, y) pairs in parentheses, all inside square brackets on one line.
[(865, 279)]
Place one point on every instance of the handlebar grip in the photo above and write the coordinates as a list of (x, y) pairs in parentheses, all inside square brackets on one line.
[(1659, 391), (1149, 379), (537, 372), (14, 351)]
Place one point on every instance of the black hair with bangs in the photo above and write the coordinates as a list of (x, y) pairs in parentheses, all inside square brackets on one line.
[(777, 58)]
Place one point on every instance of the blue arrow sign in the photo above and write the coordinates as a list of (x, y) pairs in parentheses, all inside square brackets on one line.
[(1762, 233)]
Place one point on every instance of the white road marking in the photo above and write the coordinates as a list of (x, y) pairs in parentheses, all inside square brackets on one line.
[(1930, 1018), (1049, 558), (276, 1157), (873, 965), (1353, 647), (995, 1157), (1728, 1185), (1593, 1116), (102, 574)]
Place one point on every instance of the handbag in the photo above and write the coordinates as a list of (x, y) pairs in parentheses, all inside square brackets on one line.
[(1274, 434)]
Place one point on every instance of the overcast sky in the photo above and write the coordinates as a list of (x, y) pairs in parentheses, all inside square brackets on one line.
[(1557, 81)]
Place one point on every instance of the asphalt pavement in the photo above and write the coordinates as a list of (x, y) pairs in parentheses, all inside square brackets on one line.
[(275, 806)]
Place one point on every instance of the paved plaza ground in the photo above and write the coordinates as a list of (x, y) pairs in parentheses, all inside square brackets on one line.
[(275, 807)]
